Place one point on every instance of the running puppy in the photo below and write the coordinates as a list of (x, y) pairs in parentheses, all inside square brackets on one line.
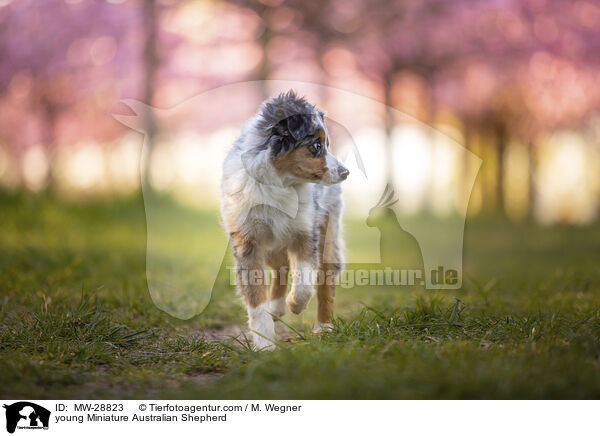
[(282, 208)]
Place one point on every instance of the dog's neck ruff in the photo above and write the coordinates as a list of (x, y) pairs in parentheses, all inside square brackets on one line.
[(264, 186)]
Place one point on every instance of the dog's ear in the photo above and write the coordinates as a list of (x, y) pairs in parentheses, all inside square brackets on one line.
[(298, 125)]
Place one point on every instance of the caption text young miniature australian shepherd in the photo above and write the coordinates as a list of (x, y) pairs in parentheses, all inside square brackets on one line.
[(281, 207)]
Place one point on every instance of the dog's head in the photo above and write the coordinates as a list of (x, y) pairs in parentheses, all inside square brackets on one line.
[(297, 138)]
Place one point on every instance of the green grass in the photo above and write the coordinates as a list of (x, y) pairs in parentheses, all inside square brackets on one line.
[(77, 320)]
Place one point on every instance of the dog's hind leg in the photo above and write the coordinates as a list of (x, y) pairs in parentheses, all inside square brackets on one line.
[(253, 289), (279, 263), (303, 259), (330, 264)]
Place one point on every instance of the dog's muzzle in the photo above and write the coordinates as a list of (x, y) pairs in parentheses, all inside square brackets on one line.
[(343, 172), (338, 172)]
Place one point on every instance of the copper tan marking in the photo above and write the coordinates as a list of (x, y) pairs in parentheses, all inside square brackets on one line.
[(302, 164)]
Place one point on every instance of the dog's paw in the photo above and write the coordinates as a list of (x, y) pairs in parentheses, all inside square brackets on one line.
[(298, 299), (322, 327), (262, 327), (277, 308), (260, 343)]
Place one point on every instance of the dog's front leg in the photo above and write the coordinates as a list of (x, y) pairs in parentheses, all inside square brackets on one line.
[(253, 289), (303, 265)]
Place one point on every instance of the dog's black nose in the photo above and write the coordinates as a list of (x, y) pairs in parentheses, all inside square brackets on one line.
[(343, 172)]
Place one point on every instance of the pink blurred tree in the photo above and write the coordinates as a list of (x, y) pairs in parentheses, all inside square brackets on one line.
[(64, 67)]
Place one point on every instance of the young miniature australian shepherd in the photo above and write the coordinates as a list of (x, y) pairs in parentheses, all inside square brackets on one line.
[(281, 207)]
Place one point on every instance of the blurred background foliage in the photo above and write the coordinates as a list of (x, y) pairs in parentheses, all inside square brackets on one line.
[(515, 82)]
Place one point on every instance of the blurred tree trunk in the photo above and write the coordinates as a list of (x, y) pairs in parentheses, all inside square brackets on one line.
[(150, 60), (264, 68), (430, 113), (388, 126), (500, 137), (50, 138), (531, 200), (465, 183)]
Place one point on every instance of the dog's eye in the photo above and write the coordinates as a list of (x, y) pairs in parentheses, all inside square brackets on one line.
[(316, 148)]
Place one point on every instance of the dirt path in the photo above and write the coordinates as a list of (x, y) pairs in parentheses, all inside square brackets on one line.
[(228, 333)]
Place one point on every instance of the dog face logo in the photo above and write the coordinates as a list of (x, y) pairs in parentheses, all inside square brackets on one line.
[(26, 415)]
